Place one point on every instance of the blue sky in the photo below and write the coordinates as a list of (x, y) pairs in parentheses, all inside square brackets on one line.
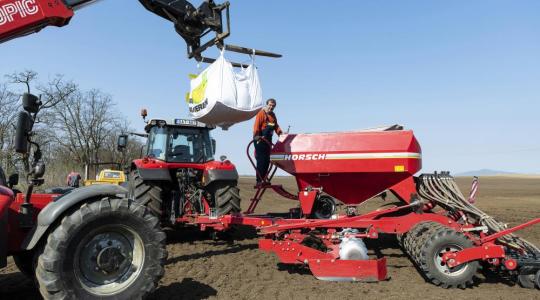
[(464, 75)]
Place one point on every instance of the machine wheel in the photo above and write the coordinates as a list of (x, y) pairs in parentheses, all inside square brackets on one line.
[(413, 234), (429, 229), (225, 197), (149, 195), (430, 261), (324, 207), (108, 249), (526, 278), (526, 281)]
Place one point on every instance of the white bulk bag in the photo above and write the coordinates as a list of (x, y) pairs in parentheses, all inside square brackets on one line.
[(222, 97)]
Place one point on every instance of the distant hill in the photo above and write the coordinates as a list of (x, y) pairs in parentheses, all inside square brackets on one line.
[(484, 172)]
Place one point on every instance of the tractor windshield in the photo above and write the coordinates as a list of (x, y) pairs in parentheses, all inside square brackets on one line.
[(180, 144)]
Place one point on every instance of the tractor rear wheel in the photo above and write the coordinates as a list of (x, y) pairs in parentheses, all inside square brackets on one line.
[(225, 197), (145, 193), (430, 253), (108, 249)]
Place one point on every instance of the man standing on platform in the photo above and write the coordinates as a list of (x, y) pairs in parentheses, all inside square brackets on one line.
[(263, 129)]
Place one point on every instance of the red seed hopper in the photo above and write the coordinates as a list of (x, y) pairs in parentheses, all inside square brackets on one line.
[(350, 166)]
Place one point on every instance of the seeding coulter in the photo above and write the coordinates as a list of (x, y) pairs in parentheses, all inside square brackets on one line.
[(446, 236)]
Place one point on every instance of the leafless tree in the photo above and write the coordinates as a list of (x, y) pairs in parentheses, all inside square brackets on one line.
[(83, 122), (73, 128), (8, 113), (26, 77)]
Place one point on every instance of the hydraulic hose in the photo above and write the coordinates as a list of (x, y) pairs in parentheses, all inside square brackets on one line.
[(442, 189)]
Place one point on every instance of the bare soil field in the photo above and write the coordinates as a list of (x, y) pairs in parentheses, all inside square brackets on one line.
[(200, 268)]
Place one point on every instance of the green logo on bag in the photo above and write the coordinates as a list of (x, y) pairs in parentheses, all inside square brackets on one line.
[(197, 94)]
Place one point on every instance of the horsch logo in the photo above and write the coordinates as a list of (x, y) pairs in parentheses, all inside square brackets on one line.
[(315, 156), (21, 8)]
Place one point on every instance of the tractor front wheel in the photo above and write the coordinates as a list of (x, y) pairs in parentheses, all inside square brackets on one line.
[(108, 249)]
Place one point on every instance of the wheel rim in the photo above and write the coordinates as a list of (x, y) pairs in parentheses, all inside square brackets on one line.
[(109, 259), (442, 267), (324, 208)]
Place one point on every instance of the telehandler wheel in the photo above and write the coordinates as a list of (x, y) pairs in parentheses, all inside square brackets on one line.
[(108, 249), (430, 261), (324, 207), (145, 193), (225, 197)]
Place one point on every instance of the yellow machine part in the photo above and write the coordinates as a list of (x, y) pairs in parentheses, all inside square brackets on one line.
[(108, 177)]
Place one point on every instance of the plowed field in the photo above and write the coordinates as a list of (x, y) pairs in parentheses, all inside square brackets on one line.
[(199, 268)]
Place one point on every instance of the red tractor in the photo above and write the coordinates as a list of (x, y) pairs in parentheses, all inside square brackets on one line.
[(178, 174), (92, 242)]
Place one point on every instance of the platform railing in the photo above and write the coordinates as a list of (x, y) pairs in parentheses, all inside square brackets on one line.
[(266, 180)]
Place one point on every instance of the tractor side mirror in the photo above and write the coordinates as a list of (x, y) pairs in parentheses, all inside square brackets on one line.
[(31, 103), (24, 127), (13, 180), (39, 170), (213, 147), (122, 142)]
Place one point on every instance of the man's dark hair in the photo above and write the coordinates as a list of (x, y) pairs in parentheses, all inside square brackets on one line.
[(271, 100)]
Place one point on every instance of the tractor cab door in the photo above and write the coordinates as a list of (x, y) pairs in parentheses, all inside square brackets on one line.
[(156, 144)]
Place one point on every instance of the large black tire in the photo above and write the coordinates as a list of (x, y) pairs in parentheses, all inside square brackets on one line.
[(526, 278), (430, 228), (225, 197), (147, 194), (409, 239), (108, 249), (428, 258)]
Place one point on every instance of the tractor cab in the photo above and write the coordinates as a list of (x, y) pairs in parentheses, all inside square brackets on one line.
[(179, 141)]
